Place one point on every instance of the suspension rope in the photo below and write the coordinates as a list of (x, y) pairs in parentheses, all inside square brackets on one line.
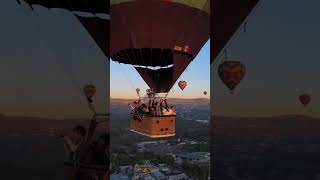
[(239, 30), (123, 71)]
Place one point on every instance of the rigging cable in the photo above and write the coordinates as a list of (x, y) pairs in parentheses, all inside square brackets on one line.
[(254, 10)]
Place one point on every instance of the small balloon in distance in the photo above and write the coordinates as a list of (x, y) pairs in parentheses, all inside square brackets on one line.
[(138, 90), (305, 99), (231, 73), (182, 85), (89, 90)]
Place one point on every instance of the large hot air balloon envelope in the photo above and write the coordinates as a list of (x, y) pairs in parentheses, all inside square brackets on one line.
[(305, 99), (228, 15), (231, 73), (159, 38)]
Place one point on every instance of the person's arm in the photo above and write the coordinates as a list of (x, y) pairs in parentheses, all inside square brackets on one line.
[(70, 145), (132, 108)]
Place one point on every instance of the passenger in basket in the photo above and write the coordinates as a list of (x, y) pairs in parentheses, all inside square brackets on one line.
[(145, 109), (173, 110), (73, 144), (158, 109)]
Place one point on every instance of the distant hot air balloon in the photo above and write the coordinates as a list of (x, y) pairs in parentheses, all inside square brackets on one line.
[(182, 84), (205, 92), (138, 90), (89, 90), (305, 99), (231, 73)]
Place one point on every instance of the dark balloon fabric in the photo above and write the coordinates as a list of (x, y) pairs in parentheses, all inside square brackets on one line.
[(91, 6), (99, 29)]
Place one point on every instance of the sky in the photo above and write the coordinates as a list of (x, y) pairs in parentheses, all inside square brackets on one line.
[(124, 79), (280, 50), (46, 57)]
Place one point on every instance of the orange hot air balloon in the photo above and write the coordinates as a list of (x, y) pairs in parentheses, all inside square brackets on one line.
[(138, 90), (231, 73), (205, 92), (182, 85), (305, 99)]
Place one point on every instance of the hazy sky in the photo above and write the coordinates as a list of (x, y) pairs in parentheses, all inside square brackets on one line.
[(42, 51), (280, 49), (124, 79)]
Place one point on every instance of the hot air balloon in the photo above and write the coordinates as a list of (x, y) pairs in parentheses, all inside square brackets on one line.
[(182, 84), (305, 99), (89, 90), (231, 73), (205, 92), (138, 90), (228, 15), (98, 28), (159, 39)]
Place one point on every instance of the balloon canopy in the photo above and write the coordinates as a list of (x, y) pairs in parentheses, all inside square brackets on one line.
[(159, 38), (97, 26)]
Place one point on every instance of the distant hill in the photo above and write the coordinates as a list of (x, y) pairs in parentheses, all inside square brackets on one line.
[(297, 125), (37, 122), (292, 125)]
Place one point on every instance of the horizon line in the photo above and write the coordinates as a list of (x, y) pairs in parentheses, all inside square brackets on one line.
[(166, 98)]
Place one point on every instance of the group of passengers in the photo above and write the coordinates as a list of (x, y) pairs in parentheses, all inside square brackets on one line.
[(153, 108)]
